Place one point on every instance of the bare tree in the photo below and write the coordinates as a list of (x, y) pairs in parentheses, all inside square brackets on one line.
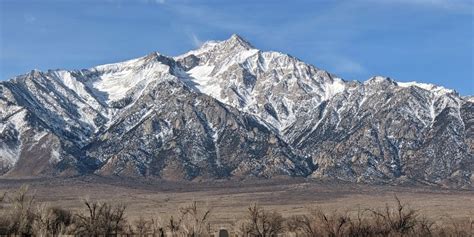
[(4, 222), (174, 226), (21, 214), (261, 223), (142, 227), (398, 220), (302, 225), (101, 219), (2, 198), (157, 227), (333, 225), (51, 221), (195, 220)]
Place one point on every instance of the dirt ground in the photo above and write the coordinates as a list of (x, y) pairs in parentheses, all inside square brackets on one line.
[(229, 200)]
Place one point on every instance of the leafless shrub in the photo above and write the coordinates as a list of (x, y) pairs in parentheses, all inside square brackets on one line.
[(318, 223), (334, 224), (2, 198), (458, 227), (174, 226), (360, 225), (302, 225), (195, 220), (21, 213), (51, 221), (157, 227), (391, 221), (142, 227), (22, 216), (261, 223), (101, 219), (399, 220), (4, 222)]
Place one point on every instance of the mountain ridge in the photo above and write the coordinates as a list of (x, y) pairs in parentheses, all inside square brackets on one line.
[(285, 117)]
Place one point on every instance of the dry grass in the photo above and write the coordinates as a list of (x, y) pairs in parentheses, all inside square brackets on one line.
[(229, 199), (22, 215)]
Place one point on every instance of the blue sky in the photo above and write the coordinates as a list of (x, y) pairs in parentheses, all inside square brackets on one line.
[(408, 40)]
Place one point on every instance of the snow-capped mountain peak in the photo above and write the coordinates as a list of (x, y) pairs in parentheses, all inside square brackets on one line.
[(229, 109), (427, 86), (234, 43), (236, 40)]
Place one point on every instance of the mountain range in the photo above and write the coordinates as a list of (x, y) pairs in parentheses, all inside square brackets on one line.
[(230, 110)]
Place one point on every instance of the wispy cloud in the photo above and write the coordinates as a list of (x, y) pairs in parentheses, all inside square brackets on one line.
[(464, 6), (196, 17), (342, 64), (160, 2), (349, 66), (29, 19), (210, 17), (196, 41)]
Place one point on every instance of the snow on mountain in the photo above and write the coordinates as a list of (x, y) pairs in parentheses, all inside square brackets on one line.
[(230, 71), (439, 90), (118, 80), (230, 109), (469, 99)]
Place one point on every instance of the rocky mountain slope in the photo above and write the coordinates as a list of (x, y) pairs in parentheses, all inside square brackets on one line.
[(228, 109)]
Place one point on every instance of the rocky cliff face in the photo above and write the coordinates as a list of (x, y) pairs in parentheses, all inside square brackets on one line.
[(228, 109)]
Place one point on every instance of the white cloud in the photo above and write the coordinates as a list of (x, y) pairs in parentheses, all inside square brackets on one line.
[(160, 1)]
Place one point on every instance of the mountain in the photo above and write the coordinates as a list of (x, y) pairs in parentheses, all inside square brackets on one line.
[(227, 110)]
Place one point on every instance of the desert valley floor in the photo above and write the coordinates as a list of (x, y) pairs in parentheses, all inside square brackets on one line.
[(229, 199)]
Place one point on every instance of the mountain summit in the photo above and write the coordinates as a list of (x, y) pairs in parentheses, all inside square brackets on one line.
[(227, 110)]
